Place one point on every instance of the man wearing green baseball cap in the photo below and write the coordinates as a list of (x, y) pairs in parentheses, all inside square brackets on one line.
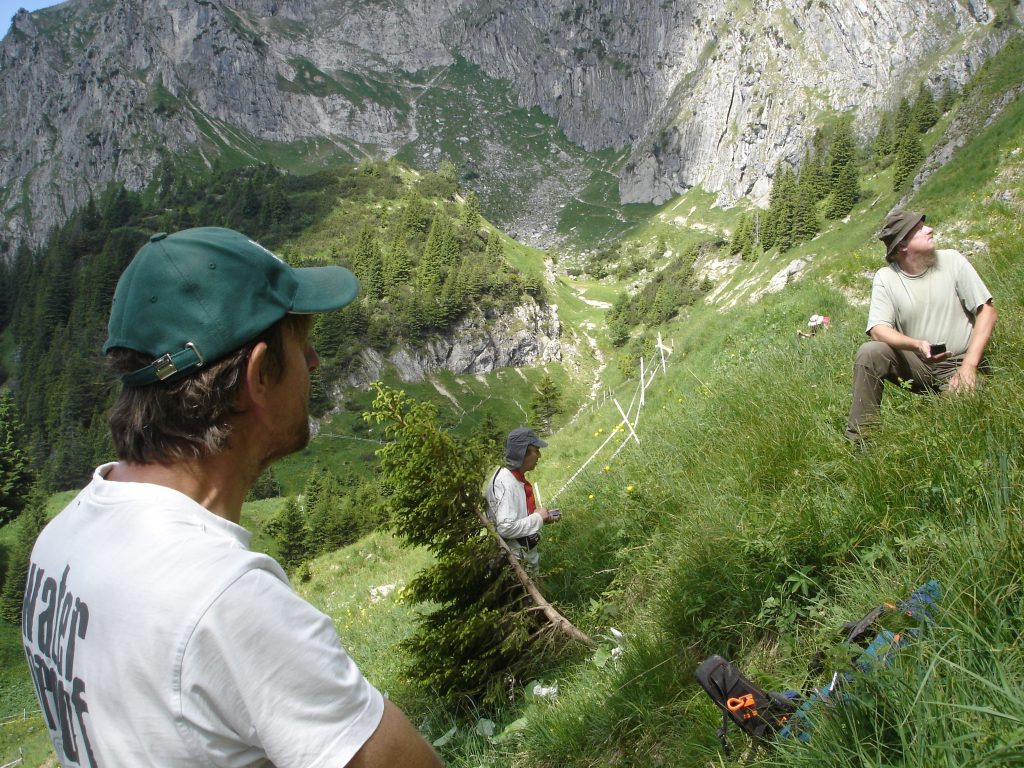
[(930, 319), (154, 635)]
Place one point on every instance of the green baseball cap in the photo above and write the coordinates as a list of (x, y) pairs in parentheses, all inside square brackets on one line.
[(190, 298)]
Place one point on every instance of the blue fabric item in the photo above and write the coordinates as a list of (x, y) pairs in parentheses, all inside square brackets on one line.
[(921, 605)]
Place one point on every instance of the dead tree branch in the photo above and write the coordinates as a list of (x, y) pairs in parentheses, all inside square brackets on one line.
[(555, 619)]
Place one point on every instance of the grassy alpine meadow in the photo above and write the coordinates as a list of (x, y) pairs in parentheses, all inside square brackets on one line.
[(740, 522), (744, 524)]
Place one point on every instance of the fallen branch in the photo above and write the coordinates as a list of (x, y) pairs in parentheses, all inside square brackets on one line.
[(555, 619)]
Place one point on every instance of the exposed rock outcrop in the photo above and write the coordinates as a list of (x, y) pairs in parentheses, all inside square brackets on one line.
[(708, 92), (478, 344)]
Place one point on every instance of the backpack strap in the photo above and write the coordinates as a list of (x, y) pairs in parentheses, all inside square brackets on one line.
[(721, 734), (854, 631)]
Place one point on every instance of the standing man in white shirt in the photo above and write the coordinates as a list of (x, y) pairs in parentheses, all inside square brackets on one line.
[(930, 319), (154, 635), (511, 501)]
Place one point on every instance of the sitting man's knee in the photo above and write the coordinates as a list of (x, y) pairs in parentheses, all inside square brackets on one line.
[(872, 352)]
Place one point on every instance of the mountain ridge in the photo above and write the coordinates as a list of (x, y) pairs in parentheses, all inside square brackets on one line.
[(692, 93)]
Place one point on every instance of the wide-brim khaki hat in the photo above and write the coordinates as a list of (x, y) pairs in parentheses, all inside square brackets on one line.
[(896, 227)]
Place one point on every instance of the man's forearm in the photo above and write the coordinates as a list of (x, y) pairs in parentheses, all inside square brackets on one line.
[(510, 527), (984, 322), (889, 335)]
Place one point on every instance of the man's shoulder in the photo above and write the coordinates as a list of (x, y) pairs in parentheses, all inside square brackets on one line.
[(949, 256), (884, 275), (502, 475)]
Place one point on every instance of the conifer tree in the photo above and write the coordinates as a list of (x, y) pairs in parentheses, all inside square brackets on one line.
[(784, 210), (618, 331), (329, 522), (291, 532), (909, 157), (902, 120), (752, 249), (415, 215), (368, 264), (448, 243), (845, 194), (479, 633), (546, 403), (397, 265), (471, 213), (883, 144), (30, 523), (275, 207), (436, 252), (451, 300), (925, 113), (16, 473), (664, 305), (495, 251), (842, 151), (265, 487), (447, 171), (740, 233), (473, 274), (805, 213), (773, 225), (817, 177)]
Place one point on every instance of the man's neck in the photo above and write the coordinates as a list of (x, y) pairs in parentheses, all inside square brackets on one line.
[(215, 483), (914, 264)]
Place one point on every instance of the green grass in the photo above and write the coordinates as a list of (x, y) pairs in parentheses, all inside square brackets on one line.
[(371, 628), (22, 730), (596, 217), (743, 523)]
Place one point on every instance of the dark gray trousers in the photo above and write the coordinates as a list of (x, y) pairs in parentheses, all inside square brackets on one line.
[(877, 362)]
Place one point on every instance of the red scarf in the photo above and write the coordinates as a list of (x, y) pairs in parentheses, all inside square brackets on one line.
[(531, 504)]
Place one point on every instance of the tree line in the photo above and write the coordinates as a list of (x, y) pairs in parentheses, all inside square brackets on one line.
[(827, 181), (437, 264)]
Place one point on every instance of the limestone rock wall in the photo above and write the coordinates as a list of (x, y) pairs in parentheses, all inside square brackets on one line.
[(708, 92), (478, 344), (717, 93)]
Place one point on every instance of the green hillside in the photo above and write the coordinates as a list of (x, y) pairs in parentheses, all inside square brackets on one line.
[(743, 523), (740, 522)]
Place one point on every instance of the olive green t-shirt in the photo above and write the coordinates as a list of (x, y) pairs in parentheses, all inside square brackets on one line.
[(939, 305)]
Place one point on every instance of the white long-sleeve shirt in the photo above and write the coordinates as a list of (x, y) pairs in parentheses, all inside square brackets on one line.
[(506, 502)]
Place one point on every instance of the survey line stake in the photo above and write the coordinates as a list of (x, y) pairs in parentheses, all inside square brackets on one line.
[(625, 420)]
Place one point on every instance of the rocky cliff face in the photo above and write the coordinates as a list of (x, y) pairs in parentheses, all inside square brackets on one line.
[(530, 334), (709, 92), (717, 93)]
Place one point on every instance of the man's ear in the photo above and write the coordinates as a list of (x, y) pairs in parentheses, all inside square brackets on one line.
[(255, 374)]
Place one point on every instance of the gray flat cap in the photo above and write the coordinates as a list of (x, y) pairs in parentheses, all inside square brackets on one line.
[(517, 443)]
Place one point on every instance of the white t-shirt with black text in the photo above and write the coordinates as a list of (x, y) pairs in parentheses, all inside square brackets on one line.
[(155, 637)]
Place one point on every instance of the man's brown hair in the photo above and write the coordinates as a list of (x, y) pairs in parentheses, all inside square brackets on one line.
[(189, 417)]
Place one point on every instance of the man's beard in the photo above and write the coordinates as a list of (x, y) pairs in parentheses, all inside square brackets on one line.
[(929, 260)]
